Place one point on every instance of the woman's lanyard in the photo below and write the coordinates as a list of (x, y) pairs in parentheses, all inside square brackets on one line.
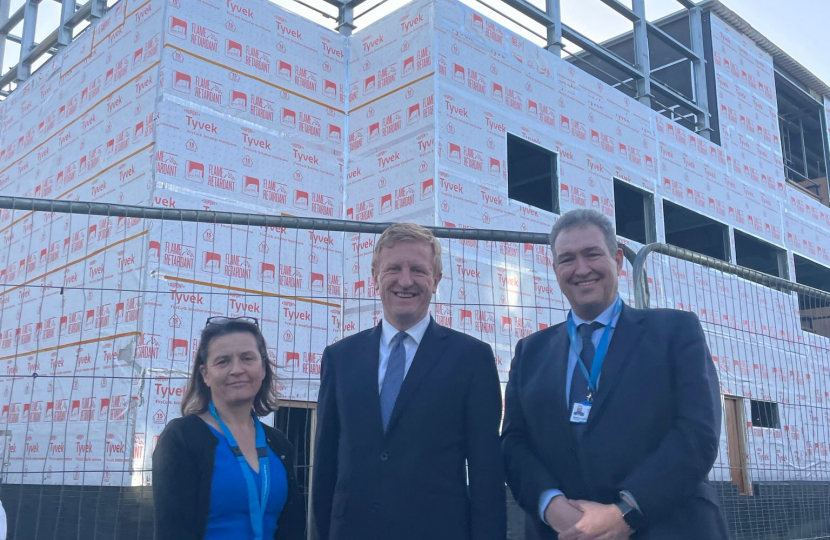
[(599, 355), (257, 507)]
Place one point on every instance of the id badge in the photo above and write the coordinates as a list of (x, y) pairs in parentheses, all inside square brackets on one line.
[(580, 412)]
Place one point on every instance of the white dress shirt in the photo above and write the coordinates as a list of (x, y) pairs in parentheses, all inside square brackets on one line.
[(410, 344)]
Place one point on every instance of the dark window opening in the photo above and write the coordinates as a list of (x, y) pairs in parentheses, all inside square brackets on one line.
[(669, 65), (815, 311), (802, 138), (692, 231), (634, 212), (765, 414), (531, 174), (759, 255), (296, 423)]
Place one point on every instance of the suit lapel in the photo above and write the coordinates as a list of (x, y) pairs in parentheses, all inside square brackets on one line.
[(365, 372), (627, 336), (554, 371), (551, 376), (426, 358)]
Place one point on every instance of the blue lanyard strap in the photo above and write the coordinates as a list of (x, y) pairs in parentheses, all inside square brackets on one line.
[(256, 507), (602, 348)]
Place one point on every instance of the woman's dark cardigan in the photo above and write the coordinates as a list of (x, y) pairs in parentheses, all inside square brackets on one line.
[(182, 476)]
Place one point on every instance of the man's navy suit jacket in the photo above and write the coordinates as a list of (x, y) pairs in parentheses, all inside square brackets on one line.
[(410, 483), (653, 430)]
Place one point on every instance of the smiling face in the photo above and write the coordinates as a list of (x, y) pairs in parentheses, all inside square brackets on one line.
[(586, 271), (406, 279), (234, 369)]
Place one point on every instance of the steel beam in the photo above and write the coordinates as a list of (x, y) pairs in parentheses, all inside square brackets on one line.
[(41, 48), (796, 87), (671, 42), (622, 9), (77, 18), (680, 98), (641, 52), (523, 7), (9, 77), (572, 35), (81, 15), (11, 21)]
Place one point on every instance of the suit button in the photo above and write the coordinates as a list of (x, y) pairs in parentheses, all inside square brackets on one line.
[(384, 455)]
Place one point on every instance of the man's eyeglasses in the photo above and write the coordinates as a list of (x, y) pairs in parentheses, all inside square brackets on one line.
[(226, 320)]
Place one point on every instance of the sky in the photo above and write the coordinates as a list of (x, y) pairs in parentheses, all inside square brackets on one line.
[(798, 27)]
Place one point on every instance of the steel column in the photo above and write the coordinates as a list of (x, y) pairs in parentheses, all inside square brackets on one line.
[(345, 19), (554, 41), (704, 126), (99, 9), (27, 40), (64, 30), (641, 53), (5, 7)]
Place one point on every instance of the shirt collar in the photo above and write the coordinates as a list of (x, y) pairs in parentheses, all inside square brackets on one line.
[(388, 331), (605, 317)]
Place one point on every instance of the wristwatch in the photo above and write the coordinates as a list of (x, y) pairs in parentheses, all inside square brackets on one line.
[(631, 515)]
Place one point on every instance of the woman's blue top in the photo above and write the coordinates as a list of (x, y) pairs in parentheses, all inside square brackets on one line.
[(228, 518)]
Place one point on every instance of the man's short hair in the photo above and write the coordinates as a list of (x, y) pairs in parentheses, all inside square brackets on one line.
[(408, 232), (583, 217)]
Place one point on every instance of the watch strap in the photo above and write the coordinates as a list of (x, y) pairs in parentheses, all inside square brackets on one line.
[(631, 515)]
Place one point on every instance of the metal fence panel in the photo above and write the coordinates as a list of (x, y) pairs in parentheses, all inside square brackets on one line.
[(101, 307)]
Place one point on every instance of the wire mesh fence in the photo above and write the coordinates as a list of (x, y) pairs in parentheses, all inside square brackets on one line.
[(101, 308), (769, 338)]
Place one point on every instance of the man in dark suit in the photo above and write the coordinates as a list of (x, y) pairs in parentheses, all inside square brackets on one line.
[(612, 419), (408, 416)]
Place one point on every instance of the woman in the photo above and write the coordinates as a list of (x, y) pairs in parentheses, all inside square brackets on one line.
[(218, 472)]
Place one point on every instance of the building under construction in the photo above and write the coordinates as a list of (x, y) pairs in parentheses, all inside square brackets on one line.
[(692, 130)]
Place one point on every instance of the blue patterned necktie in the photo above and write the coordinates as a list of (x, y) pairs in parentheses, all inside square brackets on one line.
[(579, 384), (393, 379)]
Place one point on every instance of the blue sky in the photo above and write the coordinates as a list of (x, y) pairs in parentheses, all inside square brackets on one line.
[(799, 27)]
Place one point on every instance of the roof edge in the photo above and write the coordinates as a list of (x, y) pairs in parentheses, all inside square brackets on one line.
[(782, 59)]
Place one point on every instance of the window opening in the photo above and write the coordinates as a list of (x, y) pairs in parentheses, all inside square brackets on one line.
[(759, 255), (765, 414), (634, 212), (690, 230), (531, 174)]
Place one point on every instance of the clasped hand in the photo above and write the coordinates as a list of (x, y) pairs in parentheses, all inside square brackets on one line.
[(586, 520)]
